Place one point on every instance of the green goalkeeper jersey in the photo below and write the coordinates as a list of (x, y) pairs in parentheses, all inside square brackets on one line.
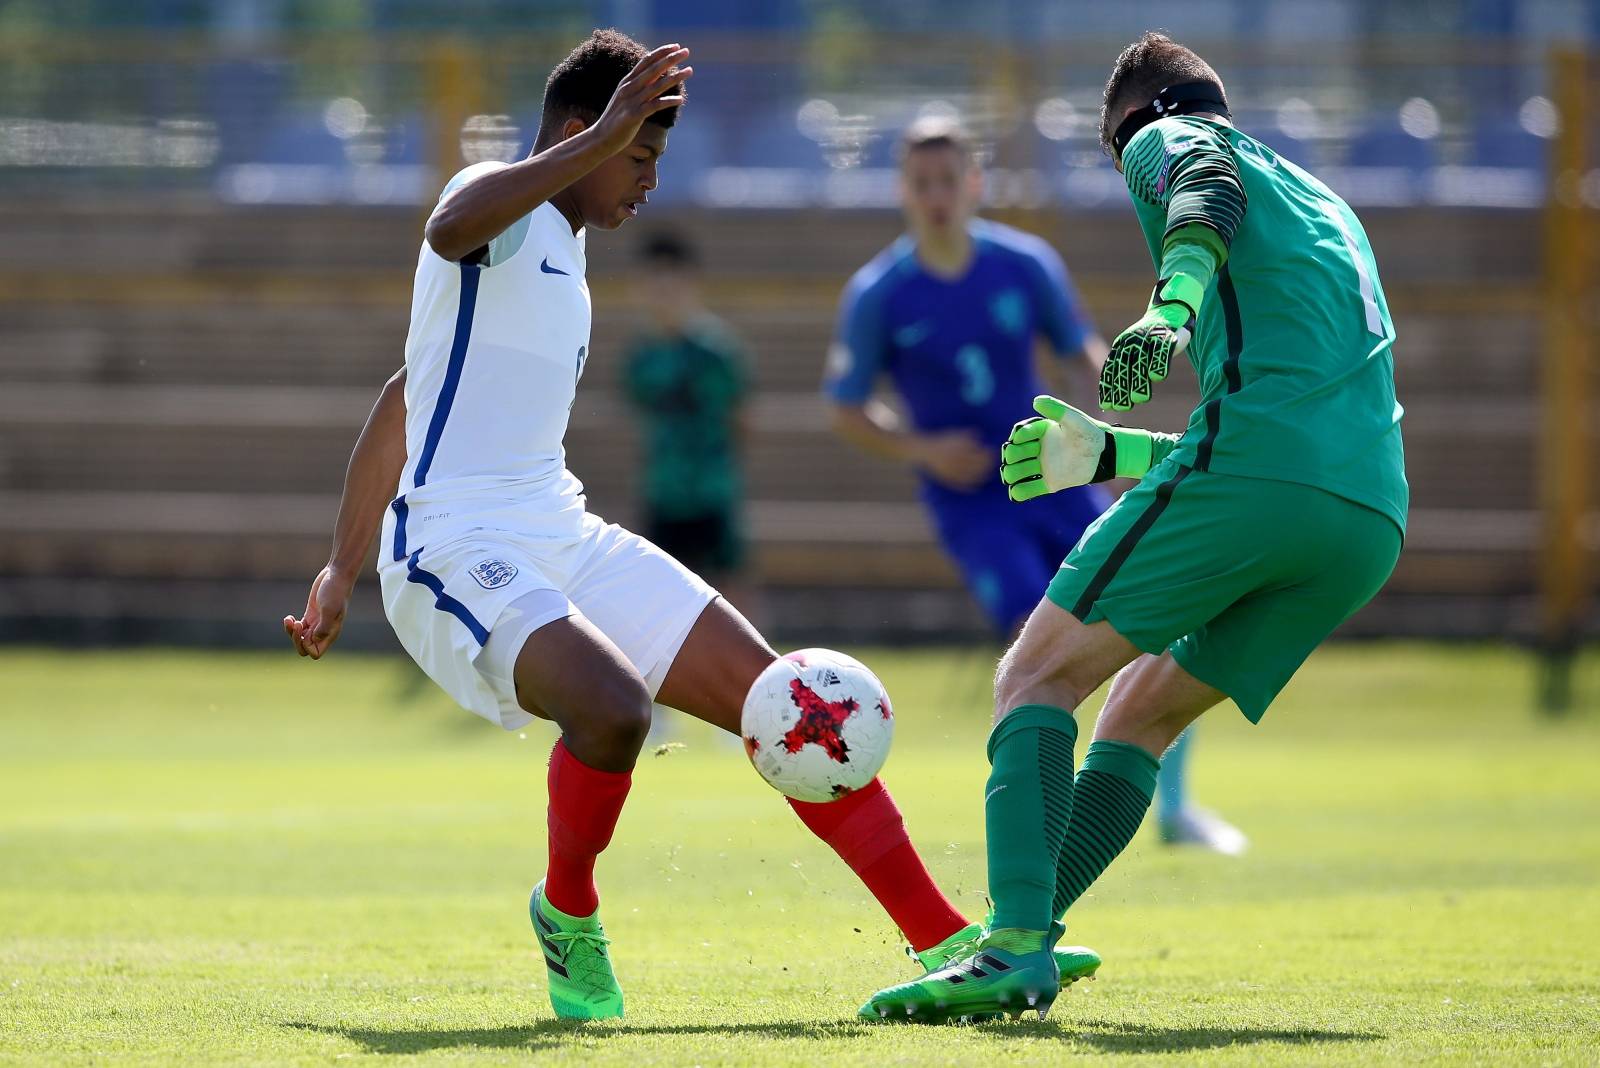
[(1292, 346)]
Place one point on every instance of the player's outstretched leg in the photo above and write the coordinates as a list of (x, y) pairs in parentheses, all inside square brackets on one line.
[(868, 833), (569, 672), (709, 678)]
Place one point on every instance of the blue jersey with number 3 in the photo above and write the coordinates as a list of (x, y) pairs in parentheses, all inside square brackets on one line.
[(961, 354), (959, 351)]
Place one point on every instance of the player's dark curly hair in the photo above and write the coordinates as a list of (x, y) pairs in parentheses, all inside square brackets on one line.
[(1147, 66), (581, 85)]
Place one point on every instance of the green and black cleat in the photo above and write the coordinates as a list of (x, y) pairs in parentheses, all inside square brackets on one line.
[(1074, 962), (582, 985), (1010, 972)]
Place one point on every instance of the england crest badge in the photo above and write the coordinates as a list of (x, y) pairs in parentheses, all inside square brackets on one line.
[(492, 574)]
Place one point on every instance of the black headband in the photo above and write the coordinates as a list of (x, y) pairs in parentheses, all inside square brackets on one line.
[(1185, 99)]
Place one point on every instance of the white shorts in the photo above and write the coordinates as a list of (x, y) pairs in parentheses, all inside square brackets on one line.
[(464, 608)]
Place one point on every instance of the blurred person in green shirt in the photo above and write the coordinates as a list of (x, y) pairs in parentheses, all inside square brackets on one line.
[(685, 374)]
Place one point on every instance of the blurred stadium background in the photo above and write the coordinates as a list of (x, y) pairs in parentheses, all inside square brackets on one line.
[(212, 209)]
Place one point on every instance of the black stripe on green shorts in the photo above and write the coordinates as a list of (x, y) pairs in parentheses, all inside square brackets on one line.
[(1108, 570)]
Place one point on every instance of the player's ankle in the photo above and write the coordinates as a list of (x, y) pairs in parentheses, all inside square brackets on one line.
[(1017, 940), (568, 917)]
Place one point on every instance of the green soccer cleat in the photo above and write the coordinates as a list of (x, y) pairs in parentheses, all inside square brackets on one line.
[(582, 985), (1011, 972), (1074, 962)]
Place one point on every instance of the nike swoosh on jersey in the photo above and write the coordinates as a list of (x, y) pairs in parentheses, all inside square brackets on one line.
[(544, 265), (908, 336)]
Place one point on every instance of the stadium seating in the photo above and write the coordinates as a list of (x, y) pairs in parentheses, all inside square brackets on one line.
[(1501, 141), (183, 416), (1384, 144)]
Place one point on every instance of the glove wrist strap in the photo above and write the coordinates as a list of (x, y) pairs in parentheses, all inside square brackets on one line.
[(1128, 454), (1180, 289)]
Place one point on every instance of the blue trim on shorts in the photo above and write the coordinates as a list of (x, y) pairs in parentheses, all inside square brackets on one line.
[(401, 510), (470, 273), (443, 601)]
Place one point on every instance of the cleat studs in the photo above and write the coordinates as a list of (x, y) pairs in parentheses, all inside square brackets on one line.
[(911, 1010), (1033, 999), (1044, 1010), (883, 1012)]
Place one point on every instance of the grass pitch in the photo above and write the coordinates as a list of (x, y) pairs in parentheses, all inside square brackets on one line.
[(212, 859)]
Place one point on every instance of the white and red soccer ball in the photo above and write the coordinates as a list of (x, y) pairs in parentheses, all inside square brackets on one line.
[(817, 724)]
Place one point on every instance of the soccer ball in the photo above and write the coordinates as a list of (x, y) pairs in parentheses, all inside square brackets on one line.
[(817, 725)]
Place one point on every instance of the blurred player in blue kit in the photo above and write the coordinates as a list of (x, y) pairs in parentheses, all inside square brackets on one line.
[(968, 319)]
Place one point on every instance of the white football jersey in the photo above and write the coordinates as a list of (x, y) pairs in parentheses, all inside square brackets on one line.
[(493, 359)]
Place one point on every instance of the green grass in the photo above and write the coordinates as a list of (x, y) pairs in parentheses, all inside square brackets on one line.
[(254, 859)]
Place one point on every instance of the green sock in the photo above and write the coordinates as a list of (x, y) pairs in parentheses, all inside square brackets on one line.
[(1027, 805), (1113, 791)]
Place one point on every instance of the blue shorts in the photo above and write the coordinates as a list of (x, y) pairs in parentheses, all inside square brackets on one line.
[(1007, 553)]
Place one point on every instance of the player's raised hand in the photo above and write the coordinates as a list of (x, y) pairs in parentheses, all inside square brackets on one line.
[(319, 628), (1064, 448), (955, 458), (1143, 353), (653, 85)]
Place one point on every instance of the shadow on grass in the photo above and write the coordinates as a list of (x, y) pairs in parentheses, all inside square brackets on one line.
[(1104, 1037), (1138, 1038), (546, 1033)]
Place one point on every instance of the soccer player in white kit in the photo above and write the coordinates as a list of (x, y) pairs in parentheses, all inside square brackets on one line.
[(513, 597)]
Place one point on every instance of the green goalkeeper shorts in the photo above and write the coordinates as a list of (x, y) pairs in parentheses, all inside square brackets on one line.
[(1239, 577)]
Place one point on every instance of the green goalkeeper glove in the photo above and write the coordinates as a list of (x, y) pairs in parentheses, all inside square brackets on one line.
[(1068, 448), (1142, 354)]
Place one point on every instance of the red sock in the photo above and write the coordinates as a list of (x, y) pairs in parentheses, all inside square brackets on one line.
[(866, 830), (584, 806)]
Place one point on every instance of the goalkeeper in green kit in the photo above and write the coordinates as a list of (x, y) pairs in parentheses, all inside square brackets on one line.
[(1276, 514)]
